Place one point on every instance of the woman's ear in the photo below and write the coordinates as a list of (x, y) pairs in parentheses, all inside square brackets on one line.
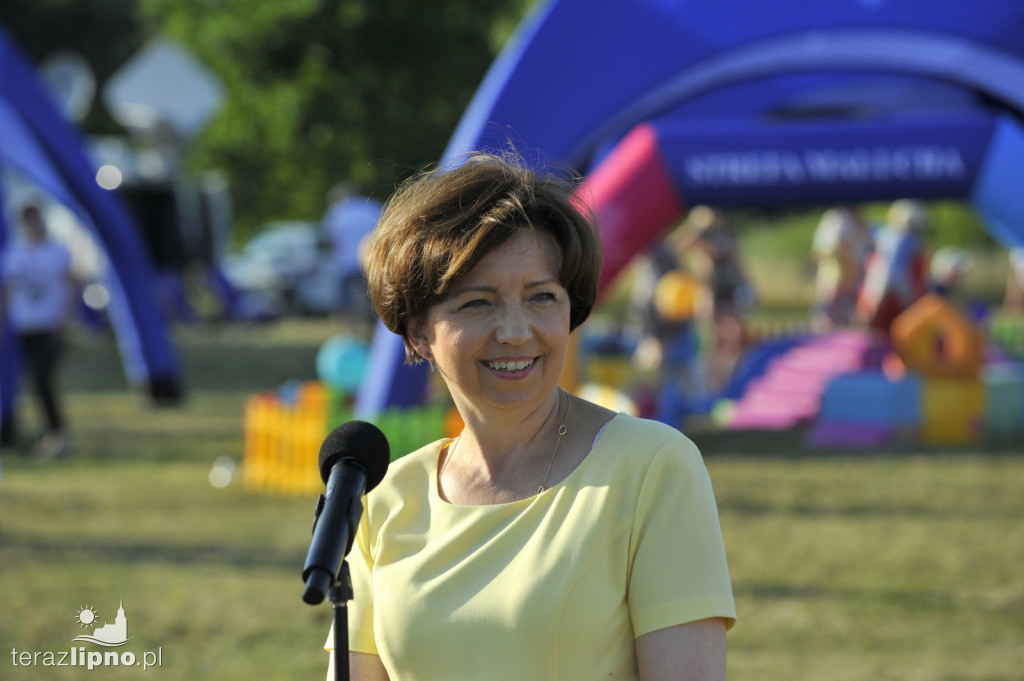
[(415, 330)]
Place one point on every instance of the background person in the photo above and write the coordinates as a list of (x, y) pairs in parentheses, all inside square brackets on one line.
[(710, 238), (552, 538), (349, 220), (663, 322), (947, 271), (896, 274), (1013, 302), (842, 244), (38, 301), (663, 301)]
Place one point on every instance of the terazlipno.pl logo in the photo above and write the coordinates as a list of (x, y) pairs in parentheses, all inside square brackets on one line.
[(109, 635), (115, 634)]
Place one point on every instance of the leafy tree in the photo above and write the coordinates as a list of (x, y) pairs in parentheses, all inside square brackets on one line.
[(318, 91), (329, 91)]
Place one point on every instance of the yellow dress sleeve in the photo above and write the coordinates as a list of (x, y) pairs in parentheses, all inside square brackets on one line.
[(678, 569)]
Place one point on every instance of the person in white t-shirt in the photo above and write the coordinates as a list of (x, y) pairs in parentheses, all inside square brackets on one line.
[(38, 295), (843, 242)]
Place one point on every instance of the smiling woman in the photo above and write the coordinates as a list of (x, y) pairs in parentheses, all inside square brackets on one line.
[(440, 225), (499, 337), (552, 538)]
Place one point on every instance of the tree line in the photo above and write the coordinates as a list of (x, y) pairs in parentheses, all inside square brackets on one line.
[(317, 91)]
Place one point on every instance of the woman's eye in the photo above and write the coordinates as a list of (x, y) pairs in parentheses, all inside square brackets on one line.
[(545, 296), (476, 302)]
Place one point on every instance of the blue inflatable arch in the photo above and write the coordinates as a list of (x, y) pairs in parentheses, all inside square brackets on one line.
[(666, 105), (37, 141)]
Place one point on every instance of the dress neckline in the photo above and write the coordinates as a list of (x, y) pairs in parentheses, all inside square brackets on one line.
[(525, 501)]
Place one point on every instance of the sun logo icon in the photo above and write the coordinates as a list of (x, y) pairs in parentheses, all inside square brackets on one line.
[(87, 616)]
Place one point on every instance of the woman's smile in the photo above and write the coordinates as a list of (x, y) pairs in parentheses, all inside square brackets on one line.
[(510, 368)]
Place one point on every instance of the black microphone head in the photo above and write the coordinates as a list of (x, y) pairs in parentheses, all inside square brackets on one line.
[(361, 442)]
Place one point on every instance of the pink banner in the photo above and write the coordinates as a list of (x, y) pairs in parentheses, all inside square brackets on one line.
[(633, 197)]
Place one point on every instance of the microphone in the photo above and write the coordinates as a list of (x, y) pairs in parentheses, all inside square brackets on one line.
[(353, 460)]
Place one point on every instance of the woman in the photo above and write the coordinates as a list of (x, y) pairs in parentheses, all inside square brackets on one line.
[(552, 539)]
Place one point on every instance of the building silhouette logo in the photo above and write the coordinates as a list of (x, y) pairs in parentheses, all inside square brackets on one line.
[(110, 635)]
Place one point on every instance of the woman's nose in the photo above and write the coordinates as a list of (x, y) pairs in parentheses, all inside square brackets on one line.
[(513, 326)]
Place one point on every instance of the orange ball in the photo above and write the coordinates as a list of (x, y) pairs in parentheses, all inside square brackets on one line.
[(675, 296)]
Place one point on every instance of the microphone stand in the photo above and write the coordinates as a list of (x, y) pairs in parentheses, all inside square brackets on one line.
[(336, 521), (338, 589), (339, 595)]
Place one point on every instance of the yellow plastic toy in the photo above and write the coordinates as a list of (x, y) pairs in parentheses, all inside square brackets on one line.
[(934, 338)]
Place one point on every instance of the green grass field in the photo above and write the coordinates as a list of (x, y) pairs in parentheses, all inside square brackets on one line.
[(905, 566)]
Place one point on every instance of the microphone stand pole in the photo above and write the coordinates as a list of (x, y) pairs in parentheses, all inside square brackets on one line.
[(339, 595)]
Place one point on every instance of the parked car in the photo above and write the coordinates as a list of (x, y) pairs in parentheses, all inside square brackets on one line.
[(283, 270)]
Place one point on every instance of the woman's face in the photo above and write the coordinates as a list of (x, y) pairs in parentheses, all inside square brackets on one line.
[(499, 338)]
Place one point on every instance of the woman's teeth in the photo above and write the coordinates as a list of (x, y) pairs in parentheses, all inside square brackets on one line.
[(510, 366)]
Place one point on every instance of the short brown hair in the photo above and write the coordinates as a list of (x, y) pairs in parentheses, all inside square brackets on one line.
[(441, 223)]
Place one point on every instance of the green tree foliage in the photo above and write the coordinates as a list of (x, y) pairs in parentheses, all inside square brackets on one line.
[(329, 91), (318, 91), (956, 224)]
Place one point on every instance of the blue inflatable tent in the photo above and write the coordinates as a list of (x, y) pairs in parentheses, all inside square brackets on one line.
[(38, 142), (667, 105)]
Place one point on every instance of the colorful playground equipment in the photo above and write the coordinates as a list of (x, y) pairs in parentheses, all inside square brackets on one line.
[(946, 349), (790, 391), (284, 429), (945, 391), (1004, 402), (934, 338), (868, 409)]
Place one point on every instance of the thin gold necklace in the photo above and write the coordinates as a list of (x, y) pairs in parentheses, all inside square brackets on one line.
[(562, 430)]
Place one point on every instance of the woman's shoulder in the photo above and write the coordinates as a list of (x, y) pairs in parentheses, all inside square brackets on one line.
[(645, 432), (636, 448)]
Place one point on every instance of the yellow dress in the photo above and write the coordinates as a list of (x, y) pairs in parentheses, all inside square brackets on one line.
[(556, 586)]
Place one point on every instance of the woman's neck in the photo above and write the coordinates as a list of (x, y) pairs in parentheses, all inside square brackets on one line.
[(493, 433), (502, 457)]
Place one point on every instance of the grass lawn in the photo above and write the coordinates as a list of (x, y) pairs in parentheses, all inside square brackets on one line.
[(887, 566)]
